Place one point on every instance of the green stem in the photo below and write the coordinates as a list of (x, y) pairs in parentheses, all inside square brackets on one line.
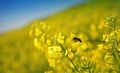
[(69, 59), (116, 62), (73, 63)]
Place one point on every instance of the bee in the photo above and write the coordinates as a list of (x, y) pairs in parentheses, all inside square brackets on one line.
[(76, 39)]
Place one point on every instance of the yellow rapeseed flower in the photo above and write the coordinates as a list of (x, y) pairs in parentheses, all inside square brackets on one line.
[(48, 42), (100, 47), (42, 38), (54, 52), (36, 43), (69, 53), (60, 38), (37, 32), (106, 37), (51, 62)]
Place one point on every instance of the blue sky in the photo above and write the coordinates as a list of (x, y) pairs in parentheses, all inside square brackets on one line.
[(17, 13)]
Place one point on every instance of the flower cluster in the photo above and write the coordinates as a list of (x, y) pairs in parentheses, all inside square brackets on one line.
[(111, 46), (74, 53)]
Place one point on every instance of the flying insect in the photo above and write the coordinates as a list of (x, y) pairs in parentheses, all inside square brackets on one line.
[(76, 39)]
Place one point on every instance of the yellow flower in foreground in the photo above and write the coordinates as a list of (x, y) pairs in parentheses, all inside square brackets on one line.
[(60, 38), (69, 53), (106, 37), (54, 52)]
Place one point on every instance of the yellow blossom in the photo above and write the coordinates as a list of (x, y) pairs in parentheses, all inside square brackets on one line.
[(60, 38), (36, 43), (37, 32), (100, 47), (69, 53), (42, 38), (54, 52), (105, 37), (51, 62), (48, 42)]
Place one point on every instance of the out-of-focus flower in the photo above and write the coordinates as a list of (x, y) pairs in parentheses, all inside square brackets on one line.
[(48, 42), (30, 33), (101, 25), (48, 71), (93, 31), (100, 47), (43, 24), (97, 57), (51, 62), (42, 38), (37, 32), (36, 43), (84, 58), (108, 58)]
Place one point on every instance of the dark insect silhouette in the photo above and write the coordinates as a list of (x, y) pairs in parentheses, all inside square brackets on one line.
[(76, 39)]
